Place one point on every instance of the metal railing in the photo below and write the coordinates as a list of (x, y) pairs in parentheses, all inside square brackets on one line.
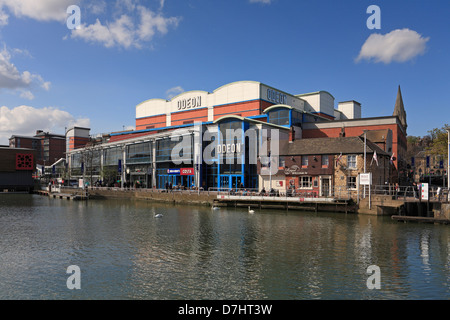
[(338, 193), (405, 193)]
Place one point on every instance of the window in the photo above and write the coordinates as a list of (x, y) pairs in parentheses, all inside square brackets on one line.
[(305, 182), (297, 118), (304, 161), (351, 183), (137, 153), (111, 156), (279, 117), (325, 161), (351, 161), (181, 148)]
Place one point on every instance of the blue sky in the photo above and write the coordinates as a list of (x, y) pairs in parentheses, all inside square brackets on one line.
[(128, 51)]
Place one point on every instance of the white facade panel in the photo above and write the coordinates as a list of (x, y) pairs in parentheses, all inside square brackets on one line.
[(228, 94), (326, 103)]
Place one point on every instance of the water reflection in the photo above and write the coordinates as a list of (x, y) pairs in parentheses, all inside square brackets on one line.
[(199, 253)]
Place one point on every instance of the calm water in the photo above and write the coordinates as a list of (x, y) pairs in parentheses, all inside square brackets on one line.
[(196, 253)]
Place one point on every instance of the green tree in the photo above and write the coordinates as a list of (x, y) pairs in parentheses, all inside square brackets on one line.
[(439, 141)]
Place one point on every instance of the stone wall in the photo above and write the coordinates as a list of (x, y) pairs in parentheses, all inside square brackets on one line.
[(380, 173), (185, 197)]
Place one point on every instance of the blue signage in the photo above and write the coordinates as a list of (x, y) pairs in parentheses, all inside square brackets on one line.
[(441, 164), (119, 166), (428, 161), (413, 162), (173, 171)]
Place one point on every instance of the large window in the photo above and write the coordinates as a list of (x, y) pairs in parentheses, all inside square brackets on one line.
[(232, 135), (139, 153), (76, 160), (111, 156), (279, 117), (183, 149), (305, 182)]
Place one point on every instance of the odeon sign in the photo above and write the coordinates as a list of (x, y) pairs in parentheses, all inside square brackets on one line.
[(277, 97), (229, 148), (189, 103)]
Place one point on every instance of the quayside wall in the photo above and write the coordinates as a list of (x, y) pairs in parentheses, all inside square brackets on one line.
[(203, 198), (376, 205)]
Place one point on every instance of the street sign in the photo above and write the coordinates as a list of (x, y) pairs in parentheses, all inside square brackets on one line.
[(365, 179)]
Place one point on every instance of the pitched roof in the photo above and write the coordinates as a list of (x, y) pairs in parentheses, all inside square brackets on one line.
[(346, 145)]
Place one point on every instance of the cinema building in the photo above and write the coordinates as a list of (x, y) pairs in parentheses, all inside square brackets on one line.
[(186, 141)]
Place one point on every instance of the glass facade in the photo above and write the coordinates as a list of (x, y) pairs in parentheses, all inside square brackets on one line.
[(280, 117), (139, 153), (163, 162), (172, 156), (111, 156)]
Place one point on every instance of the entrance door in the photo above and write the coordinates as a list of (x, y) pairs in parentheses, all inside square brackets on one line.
[(224, 182), (231, 181), (325, 187), (236, 182)]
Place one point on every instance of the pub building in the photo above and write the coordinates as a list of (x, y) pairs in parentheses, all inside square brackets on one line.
[(325, 167), (185, 141)]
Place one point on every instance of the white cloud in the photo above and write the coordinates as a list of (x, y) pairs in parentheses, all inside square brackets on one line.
[(3, 18), (25, 120), (97, 7), (399, 45), (27, 95), (172, 92), (132, 28), (12, 78), (261, 1), (41, 10)]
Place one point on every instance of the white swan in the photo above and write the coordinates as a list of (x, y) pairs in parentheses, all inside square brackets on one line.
[(215, 208), (250, 210), (159, 215)]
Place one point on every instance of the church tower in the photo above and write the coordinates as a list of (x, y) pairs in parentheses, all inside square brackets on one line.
[(399, 109)]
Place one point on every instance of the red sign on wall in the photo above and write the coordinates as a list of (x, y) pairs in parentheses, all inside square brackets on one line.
[(187, 171), (24, 162)]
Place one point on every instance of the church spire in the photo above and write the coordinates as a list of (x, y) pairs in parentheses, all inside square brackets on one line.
[(399, 109)]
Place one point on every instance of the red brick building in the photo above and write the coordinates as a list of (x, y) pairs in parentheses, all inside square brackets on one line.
[(388, 132), (49, 147)]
